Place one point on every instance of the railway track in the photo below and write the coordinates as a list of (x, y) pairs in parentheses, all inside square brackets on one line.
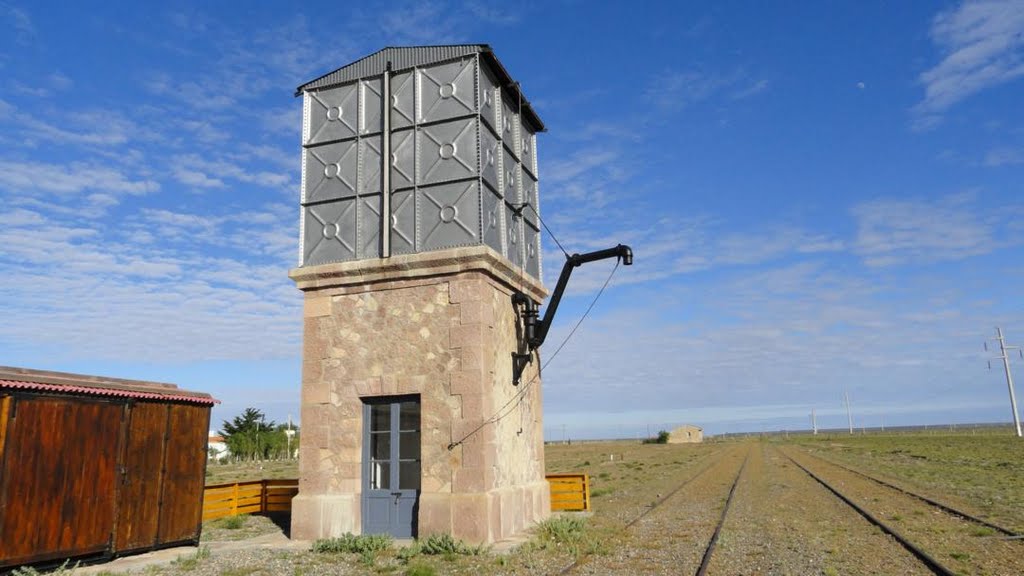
[(709, 549), (941, 506), (751, 510), (917, 549), (705, 560)]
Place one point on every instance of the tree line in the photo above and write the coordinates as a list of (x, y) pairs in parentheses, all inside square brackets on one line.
[(250, 436)]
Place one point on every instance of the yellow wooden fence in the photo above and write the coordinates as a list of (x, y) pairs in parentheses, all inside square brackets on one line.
[(220, 500), (569, 492)]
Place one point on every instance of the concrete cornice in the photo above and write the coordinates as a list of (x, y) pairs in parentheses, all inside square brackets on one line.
[(418, 266)]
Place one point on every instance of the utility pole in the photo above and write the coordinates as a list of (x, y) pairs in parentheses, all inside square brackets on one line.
[(288, 434), (849, 415), (1009, 377), (814, 422)]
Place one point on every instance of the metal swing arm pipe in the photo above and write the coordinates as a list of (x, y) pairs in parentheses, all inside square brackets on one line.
[(536, 332)]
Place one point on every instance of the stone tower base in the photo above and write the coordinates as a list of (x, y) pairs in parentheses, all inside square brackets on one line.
[(440, 326)]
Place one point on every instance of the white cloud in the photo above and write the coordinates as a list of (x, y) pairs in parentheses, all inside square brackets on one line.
[(181, 299), (674, 90), (1004, 157), (501, 14), (891, 232), (754, 88), (211, 171), (24, 177), (561, 171), (85, 127), (21, 22), (196, 178), (59, 81), (983, 46)]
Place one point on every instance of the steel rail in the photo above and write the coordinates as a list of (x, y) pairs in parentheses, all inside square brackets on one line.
[(944, 507), (580, 561), (705, 561), (920, 554)]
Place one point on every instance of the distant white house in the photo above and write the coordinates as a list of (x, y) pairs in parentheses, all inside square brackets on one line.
[(216, 447), (685, 434)]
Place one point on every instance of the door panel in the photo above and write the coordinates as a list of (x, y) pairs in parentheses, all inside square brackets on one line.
[(139, 499), (391, 470), (181, 499), (57, 490)]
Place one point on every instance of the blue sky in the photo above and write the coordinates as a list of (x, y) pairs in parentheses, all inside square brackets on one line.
[(821, 197)]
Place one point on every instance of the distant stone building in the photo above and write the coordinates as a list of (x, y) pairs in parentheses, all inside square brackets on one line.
[(686, 434)]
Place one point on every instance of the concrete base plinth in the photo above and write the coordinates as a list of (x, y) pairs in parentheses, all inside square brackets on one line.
[(485, 517), (324, 516)]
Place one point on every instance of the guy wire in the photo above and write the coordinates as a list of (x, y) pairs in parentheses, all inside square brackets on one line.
[(518, 398)]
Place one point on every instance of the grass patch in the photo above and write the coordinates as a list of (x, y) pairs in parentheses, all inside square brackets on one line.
[(190, 562), (445, 545), (241, 571), (350, 543), (63, 570), (569, 533), (230, 522), (420, 570)]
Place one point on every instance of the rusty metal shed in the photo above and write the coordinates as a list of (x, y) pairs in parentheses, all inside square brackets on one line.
[(97, 467)]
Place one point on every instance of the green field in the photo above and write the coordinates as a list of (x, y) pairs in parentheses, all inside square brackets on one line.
[(982, 469)]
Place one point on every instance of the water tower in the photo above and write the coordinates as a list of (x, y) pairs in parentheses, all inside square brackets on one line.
[(421, 405)]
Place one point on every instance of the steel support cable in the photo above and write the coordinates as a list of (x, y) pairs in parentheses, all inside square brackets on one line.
[(550, 233), (521, 394)]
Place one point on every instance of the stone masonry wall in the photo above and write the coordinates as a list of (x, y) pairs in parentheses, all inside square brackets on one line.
[(440, 325)]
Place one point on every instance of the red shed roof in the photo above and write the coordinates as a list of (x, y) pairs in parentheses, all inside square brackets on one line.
[(65, 383)]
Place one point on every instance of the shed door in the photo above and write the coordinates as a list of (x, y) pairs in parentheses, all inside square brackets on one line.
[(58, 477), (181, 496), (141, 476), (391, 466)]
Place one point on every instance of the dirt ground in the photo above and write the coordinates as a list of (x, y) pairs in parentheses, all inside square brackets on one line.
[(656, 506)]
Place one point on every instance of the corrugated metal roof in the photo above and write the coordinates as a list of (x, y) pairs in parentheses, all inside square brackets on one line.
[(405, 57), (65, 383)]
